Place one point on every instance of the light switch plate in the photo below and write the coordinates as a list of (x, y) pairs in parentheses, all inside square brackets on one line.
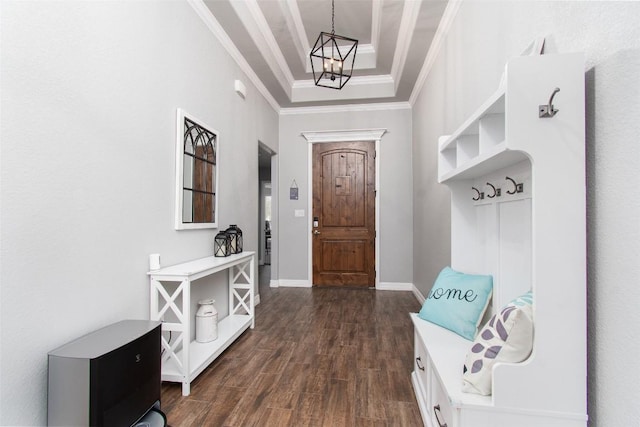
[(298, 212)]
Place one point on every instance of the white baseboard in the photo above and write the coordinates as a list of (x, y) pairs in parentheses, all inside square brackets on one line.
[(382, 286), (394, 286), (256, 300), (284, 283), (418, 295)]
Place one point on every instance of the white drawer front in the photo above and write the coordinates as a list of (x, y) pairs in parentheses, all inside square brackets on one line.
[(420, 366), (441, 411)]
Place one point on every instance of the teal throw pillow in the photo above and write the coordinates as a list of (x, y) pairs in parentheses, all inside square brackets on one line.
[(457, 301)]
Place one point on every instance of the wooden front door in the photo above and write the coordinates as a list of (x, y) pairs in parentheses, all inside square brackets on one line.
[(343, 231)]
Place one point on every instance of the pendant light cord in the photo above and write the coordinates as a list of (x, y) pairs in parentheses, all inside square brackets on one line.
[(333, 30)]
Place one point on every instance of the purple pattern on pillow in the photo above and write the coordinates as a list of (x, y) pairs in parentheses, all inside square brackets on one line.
[(477, 366), (506, 312), (477, 348), (502, 332), (493, 319), (487, 334), (492, 351)]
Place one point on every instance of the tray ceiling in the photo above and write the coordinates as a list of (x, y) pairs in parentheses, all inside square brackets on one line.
[(275, 36)]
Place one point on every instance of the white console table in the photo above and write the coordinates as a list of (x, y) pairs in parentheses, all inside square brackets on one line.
[(183, 359)]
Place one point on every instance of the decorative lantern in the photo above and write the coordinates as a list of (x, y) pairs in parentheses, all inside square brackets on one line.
[(333, 57), (235, 234), (222, 244)]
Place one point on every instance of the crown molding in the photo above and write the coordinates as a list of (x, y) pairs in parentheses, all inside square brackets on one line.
[(328, 109), (256, 25), (410, 12), (376, 23), (447, 19), (366, 53), (293, 19), (216, 29), (359, 87), (356, 80), (367, 57)]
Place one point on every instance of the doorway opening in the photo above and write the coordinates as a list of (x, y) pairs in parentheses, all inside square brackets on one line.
[(265, 201), (265, 213)]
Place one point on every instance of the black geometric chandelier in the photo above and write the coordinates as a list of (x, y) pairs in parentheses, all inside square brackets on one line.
[(332, 58)]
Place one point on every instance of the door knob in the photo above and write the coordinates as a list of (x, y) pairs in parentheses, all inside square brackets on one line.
[(316, 232)]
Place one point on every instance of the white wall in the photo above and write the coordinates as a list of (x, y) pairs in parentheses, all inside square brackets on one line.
[(395, 191), (468, 68), (89, 94)]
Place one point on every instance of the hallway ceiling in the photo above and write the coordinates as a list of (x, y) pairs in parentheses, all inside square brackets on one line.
[(276, 36)]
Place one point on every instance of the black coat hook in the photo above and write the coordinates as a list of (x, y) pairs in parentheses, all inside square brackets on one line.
[(517, 188), (479, 194), (495, 192)]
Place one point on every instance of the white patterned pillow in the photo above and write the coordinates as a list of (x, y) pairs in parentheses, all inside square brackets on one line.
[(507, 337)]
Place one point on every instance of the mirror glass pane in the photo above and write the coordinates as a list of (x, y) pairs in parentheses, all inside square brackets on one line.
[(198, 178)]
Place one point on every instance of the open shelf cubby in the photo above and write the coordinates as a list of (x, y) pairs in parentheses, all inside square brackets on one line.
[(478, 136)]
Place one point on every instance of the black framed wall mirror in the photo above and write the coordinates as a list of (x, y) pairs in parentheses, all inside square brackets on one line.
[(197, 155)]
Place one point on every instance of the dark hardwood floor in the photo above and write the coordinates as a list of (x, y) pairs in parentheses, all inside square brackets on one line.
[(317, 357)]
